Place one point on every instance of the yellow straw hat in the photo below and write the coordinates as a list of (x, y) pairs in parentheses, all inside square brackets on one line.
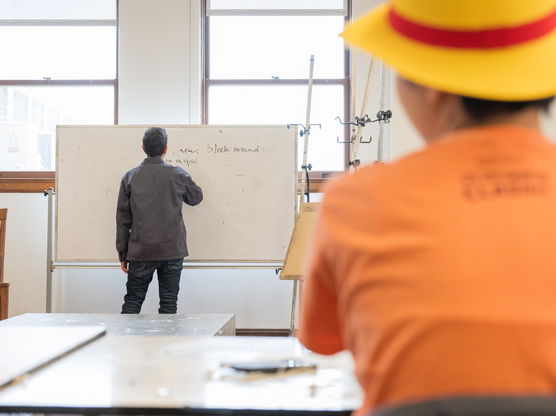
[(492, 49)]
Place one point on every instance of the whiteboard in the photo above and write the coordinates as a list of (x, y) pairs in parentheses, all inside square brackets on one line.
[(248, 175)]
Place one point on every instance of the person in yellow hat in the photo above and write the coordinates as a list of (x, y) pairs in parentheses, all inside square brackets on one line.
[(438, 271)]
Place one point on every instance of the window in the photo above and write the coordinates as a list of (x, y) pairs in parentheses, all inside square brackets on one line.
[(51, 52), (231, 6), (33, 137), (257, 68), (58, 67)]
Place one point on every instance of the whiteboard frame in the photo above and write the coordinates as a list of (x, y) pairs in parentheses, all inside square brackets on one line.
[(213, 263)]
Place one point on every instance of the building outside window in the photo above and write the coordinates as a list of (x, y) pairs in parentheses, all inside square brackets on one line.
[(58, 67), (37, 114), (20, 107)]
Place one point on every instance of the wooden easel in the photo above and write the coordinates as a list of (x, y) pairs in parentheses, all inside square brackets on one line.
[(296, 256), (294, 263)]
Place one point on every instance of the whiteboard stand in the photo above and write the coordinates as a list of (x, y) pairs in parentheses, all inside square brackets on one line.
[(51, 264), (237, 152)]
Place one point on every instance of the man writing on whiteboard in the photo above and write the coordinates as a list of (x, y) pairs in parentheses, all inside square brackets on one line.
[(150, 229)]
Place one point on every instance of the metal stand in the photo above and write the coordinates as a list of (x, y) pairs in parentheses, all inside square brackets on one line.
[(294, 305), (49, 256), (305, 188), (354, 161), (380, 144)]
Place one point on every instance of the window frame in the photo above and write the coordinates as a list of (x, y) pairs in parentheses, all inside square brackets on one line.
[(317, 178), (345, 10), (39, 181)]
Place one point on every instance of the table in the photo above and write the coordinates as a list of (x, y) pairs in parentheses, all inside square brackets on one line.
[(141, 324), (169, 375)]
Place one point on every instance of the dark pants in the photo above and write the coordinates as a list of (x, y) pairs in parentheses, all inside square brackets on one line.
[(140, 275)]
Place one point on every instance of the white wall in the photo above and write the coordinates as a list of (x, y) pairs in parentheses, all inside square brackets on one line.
[(159, 65), (25, 256)]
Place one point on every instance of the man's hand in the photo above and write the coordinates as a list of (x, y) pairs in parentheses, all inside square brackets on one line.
[(124, 266)]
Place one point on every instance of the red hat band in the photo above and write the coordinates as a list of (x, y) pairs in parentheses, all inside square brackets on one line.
[(473, 39)]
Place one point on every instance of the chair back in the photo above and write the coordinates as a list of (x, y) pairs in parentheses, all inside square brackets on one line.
[(3, 218), (4, 287), (476, 406)]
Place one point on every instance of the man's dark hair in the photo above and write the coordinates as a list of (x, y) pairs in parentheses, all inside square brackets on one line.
[(482, 110), (155, 141)]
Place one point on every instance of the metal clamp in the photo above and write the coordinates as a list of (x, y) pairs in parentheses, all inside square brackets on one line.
[(383, 116), (303, 131), (355, 163), (359, 121)]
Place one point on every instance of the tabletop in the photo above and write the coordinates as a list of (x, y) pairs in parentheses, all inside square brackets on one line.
[(183, 375), (134, 324)]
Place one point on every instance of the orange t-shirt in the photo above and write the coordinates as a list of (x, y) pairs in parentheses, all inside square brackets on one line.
[(438, 272)]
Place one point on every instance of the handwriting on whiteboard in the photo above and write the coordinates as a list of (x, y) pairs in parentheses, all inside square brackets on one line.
[(216, 148), (188, 156)]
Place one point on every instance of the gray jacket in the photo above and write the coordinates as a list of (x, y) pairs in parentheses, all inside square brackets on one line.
[(149, 215)]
